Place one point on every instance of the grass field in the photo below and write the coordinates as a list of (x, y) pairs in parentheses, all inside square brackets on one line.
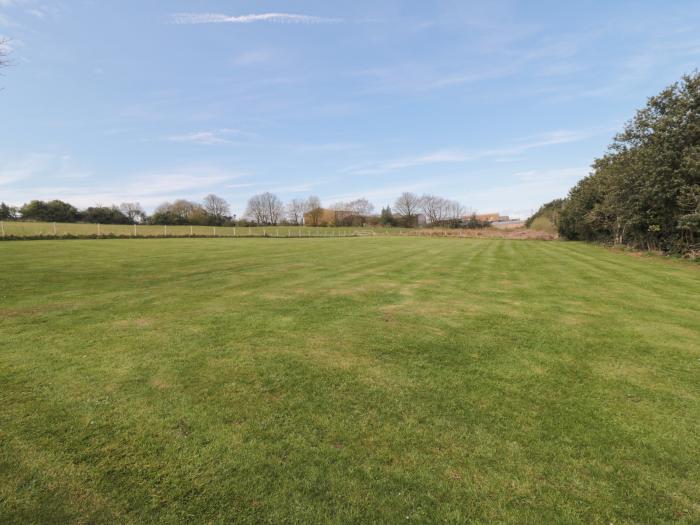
[(358, 380), (48, 229)]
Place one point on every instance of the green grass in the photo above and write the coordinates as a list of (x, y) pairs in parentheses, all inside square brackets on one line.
[(359, 380), (47, 229)]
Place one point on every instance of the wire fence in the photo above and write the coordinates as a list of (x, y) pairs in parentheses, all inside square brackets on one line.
[(48, 230), (57, 229)]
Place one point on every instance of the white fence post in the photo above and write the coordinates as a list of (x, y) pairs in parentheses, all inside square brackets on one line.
[(134, 229), (234, 231), (54, 229), (191, 232), (98, 229), (165, 229), (214, 231)]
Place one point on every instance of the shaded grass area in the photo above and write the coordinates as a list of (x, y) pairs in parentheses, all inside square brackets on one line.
[(347, 380)]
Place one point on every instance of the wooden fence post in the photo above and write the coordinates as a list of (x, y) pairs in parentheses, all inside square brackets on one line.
[(2, 227)]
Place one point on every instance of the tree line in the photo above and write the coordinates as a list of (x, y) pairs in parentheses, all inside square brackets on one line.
[(213, 211), (409, 210), (645, 191)]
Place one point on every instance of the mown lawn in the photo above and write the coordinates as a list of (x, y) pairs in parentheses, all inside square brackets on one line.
[(359, 380)]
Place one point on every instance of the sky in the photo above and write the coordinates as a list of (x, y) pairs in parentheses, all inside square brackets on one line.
[(500, 105)]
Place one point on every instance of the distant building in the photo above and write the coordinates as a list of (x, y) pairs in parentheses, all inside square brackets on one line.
[(421, 220), (485, 217), (489, 217)]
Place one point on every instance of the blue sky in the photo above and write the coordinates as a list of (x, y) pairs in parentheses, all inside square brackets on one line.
[(502, 105)]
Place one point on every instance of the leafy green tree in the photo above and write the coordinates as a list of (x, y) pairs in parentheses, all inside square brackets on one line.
[(52, 211), (8, 213), (104, 215), (180, 211), (550, 211), (644, 190), (387, 218)]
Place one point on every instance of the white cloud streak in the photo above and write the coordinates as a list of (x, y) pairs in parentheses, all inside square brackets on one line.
[(215, 137), (457, 155), (279, 18)]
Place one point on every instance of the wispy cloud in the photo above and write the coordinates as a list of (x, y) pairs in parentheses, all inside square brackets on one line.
[(280, 18), (5, 47), (215, 137), (419, 77), (327, 146), (39, 166), (53, 177), (249, 58), (460, 155)]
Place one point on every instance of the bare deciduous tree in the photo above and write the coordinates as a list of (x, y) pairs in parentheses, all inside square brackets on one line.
[(265, 208), (256, 209), (314, 211), (361, 207), (434, 207), (455, 213), (216, 207), (407, 205), (440, 210), (295, 211), (133, 211), (353, 213)]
